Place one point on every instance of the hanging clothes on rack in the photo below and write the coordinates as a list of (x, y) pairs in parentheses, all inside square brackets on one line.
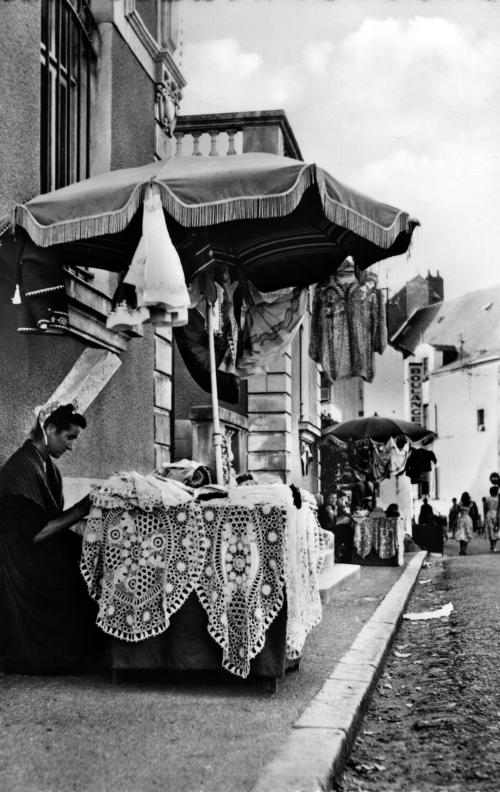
[(269, 321), (360, 459), (348, 326), (399, 449), (330, 339), (380, 461), (419, 463)]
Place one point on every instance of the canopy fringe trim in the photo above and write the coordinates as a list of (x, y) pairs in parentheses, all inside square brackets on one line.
[(83, 228), (213, 213), (262, 207), (347, 217)]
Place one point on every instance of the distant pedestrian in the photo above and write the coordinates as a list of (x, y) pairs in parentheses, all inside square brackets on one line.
[(453, 517), (485, 509), (465, 527), (491, 519), (426, 516), (475, 517)]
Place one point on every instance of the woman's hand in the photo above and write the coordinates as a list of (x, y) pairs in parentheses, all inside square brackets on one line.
[(83, 506), (65, 520)]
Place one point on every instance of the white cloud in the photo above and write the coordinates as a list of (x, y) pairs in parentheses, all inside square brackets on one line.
[(400, 100), (457, 221), (217, 71), (317, 57)]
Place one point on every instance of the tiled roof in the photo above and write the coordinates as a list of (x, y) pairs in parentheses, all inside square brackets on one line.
[(473, 318)]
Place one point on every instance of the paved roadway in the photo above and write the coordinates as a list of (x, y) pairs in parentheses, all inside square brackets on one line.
[(61, 734), (433, 724)]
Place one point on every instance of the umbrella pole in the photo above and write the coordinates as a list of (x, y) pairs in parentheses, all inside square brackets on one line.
[(217, 436)]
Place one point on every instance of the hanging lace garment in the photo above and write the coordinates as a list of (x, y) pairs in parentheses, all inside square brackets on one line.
[(154, 288), (270, 321), (360, 459), (164, 284), (362, 311), (330, 343), (375, 533), (125, 311), (127, 308), (399, 448), (380, 453), (380, 337), (348, 325), (306, 545), (230, 325)]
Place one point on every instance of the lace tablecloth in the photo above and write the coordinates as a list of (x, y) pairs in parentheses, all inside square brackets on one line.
[(141, 564), (376, 533)]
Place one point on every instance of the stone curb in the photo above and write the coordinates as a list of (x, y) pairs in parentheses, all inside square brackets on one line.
[(322, 737)]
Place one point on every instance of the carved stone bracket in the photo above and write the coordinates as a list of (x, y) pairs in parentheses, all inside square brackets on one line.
[(167, 105)]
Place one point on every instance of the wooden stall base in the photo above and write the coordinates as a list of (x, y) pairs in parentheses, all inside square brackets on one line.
[(186, 649), (270, 685), (372, 559)]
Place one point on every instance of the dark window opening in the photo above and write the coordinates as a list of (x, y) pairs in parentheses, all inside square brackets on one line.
[(481, 427), (326, 389), (67, 63)]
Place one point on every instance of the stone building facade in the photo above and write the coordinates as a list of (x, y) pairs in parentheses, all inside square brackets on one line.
[(88, 88), (101, 90)]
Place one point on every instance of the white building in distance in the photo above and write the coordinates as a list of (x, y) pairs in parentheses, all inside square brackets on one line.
[(457, 343)]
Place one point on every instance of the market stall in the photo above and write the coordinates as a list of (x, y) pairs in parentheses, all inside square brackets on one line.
[(370, 450), (223, 251), (187, 583)]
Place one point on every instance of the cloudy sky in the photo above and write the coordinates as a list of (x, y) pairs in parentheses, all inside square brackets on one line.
[(397, 98)]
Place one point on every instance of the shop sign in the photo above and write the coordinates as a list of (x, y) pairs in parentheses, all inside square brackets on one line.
[(416, 375)]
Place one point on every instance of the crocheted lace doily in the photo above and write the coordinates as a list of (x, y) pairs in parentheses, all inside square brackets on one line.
[(241, 585), (141, 559), (140, 567)]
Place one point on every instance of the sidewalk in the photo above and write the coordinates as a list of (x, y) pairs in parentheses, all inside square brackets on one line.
[(207, 734)]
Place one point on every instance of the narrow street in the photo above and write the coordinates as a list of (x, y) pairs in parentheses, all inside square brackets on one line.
[(169, 733), (433, 723)]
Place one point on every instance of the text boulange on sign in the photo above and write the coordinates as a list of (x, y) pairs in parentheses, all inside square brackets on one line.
[(416, 378)]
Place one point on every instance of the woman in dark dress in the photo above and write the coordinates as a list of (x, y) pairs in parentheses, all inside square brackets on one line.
[(47, 621)]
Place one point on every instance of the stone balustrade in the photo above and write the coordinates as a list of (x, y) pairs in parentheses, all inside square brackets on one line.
[(224, 134)]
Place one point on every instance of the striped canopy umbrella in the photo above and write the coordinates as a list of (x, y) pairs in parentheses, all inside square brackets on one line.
[(274, 221), (282, 221)]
